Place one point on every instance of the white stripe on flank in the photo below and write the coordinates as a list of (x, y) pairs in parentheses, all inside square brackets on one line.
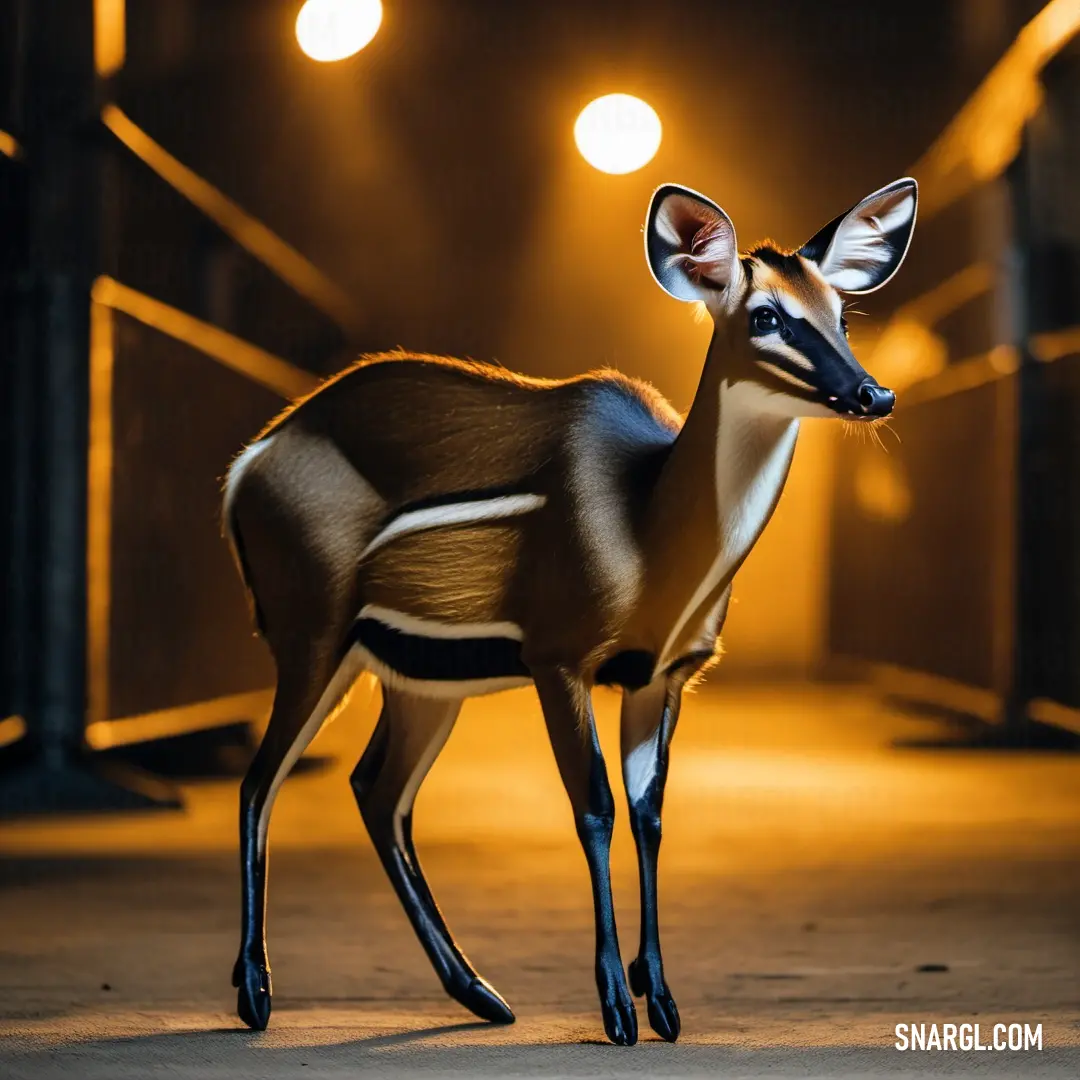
[(462, 513), (410, 624)]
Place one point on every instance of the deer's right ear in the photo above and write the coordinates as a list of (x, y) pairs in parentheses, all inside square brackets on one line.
[(690, 244)]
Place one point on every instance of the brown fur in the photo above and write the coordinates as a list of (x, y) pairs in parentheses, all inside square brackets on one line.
[(480, 428)]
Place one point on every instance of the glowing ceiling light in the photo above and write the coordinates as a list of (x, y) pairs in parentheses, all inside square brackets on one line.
[(333, 29), (618, 133)]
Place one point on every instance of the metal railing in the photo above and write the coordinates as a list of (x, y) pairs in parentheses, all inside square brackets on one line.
[(912, 354), (250, 233), (110, 298), (976, 148)]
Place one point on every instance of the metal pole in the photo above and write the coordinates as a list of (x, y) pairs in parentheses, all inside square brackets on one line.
[(48, 297), (1029, 453)]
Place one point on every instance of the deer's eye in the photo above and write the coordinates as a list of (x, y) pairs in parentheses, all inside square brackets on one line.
[(764, 320)]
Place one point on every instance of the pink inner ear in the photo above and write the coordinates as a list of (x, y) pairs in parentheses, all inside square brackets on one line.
[(712, 250), (712, 243), (703, 238)]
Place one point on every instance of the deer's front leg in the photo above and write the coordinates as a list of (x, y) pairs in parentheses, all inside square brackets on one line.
[(572, 730), (648, 723)]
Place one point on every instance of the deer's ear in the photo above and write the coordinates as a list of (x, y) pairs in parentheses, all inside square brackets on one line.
[(690, 244), (860, 250)]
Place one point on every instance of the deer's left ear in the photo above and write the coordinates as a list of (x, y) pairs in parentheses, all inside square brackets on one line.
[(860, 250)]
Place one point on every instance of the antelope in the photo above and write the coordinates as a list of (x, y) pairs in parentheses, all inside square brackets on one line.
[(455, 529)]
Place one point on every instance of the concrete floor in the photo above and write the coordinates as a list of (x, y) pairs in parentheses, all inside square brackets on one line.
[(810, 867)]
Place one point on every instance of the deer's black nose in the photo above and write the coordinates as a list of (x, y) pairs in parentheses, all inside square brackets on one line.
[(875, 400)]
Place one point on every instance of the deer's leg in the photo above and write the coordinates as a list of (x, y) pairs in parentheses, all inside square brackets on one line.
[(572, 730), (648, 723), (410, 733), (308, 691)]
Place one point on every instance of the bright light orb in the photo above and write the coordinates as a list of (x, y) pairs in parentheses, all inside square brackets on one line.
[(618, 133), (330, 30)]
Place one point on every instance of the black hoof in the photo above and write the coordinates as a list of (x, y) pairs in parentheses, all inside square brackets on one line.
[(664, 1015), (253, 993), (617, 1007), (620, 1020), (483, 1000), (663, 1012)]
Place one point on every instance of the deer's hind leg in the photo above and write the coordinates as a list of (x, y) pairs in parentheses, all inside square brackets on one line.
[(408, 738), (305, 697), (296, 514)]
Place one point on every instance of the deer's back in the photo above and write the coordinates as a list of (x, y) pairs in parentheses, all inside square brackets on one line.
[(417, 427)]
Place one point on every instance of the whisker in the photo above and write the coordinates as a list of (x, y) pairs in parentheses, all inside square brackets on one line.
[(883, 424)]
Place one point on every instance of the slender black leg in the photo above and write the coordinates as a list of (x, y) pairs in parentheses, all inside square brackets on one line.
[(305, 697), (648, 723), (410, 733), (572, 730)]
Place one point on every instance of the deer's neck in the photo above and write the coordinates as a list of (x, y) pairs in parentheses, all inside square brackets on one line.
[(714, 497)]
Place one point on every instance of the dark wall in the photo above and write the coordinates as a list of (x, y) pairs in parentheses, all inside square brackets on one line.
[(179, 628), (434, 174), (966, 537)]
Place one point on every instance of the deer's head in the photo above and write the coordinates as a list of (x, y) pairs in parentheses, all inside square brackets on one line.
[(779, 314)]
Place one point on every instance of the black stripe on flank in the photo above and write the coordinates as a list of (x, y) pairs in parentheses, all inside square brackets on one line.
[(631, 669), (440, 659)]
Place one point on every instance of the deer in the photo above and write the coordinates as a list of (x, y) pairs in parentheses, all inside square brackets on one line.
[(454, 529)]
